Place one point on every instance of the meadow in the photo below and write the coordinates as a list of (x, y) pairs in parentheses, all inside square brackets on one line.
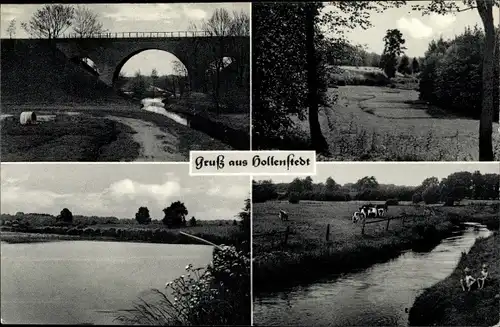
[(308, 253), (446, 304), (379, 119)]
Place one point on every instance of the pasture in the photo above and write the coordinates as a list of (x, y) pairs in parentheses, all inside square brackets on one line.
[(307, 255), (390, 124)]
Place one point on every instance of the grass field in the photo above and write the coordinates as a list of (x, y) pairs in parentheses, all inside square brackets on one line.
[(88, 136), (67, 138), (384, 124), (446, 304), (307, 252)]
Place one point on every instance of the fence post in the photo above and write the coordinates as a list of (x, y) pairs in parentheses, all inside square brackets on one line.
[(328, 233), (287, 231), (363, 227), (387, 226)]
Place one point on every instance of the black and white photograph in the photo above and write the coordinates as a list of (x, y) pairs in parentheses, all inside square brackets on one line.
[(123, 244), (377, 244), (124, 81), (377, 80)]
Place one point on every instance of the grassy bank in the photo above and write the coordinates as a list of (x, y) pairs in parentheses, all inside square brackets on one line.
[(67, 138), (446, 304), (28, 227), (307, 256)]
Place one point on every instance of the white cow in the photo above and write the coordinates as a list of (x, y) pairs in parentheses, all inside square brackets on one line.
[(381, 212)]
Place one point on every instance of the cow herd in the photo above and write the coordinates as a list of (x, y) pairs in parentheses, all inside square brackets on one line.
[(365, 211), (369, 211)]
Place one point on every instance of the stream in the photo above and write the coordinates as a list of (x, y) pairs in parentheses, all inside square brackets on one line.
[(378, 296)]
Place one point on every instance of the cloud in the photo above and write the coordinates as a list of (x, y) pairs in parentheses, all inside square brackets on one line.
[(10, 12), (442, 21), (141, 12), (414, 27), (195, 13), (132, 189)]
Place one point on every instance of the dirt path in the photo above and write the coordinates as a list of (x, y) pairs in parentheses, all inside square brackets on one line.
[(156, 144)]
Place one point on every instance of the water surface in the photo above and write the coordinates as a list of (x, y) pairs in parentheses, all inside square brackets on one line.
[(73, 282), (377, 296)]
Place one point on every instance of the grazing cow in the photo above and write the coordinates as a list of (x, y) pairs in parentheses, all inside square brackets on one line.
[(382, 206), (380, 212), (357, 215), (283, 215), (372, 212)]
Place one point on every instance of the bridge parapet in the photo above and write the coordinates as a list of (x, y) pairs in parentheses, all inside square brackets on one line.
[(121, 35)]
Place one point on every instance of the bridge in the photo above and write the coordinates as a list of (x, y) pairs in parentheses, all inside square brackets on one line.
[(195, 49)]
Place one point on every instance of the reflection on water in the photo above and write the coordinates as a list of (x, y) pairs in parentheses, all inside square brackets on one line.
[(74, 282), (377, 296), (156, 105)]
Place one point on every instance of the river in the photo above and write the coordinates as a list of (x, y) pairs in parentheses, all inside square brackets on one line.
[(377, 296), (75, 282)]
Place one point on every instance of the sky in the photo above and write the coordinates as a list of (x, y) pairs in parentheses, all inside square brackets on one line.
[(417, 30), (159, 17), (404, 174), (118, 190)]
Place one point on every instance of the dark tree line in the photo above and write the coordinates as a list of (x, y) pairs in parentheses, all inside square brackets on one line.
[(456, 186)]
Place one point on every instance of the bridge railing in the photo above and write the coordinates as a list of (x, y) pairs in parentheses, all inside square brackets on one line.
[(117, 35)]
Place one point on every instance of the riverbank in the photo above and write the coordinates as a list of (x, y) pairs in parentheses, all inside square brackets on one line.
[(307, 256), (446, 304), (229, 234)]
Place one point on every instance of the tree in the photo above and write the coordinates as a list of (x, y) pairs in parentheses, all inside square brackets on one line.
[(431, 195), (244, 215), (50, 21), (307, 183), (404, 65), (181, 76), (367, 182), (66, 215), (394, 41), (485, 11), (138, 85), (154, 77), (11, 29), (330, 185), (86, 22), (415, 67), (219, 26), (192, 222), (296, 186), (175, 215), (142, 216), (282, 71)]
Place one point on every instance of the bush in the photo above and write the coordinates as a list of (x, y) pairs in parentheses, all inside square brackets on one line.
[(392, 202), (431, 195), (417, 198), (294, 198), (449, 201)]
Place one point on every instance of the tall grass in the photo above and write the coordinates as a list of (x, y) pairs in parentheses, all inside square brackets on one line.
[(446, 304), (216, 295)]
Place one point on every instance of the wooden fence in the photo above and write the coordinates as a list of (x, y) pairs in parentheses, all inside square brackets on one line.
[(403, 217), (284, 235)]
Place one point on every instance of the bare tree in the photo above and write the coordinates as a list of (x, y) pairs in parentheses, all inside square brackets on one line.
[(50, 21), (181, 76), (240, 25), (86, 22), (220, 26), (11, 30)]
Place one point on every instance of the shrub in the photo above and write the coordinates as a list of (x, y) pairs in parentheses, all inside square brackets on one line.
[(431, 195), (294, 198), (392, 202), (449, 201), (417, 198)]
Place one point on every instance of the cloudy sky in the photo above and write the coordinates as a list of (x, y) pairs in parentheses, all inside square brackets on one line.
[(417, 30), (410, 174), (159, 17), (119, 190)]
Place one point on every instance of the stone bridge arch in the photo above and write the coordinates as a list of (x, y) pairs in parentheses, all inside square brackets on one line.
[(194, 52)]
